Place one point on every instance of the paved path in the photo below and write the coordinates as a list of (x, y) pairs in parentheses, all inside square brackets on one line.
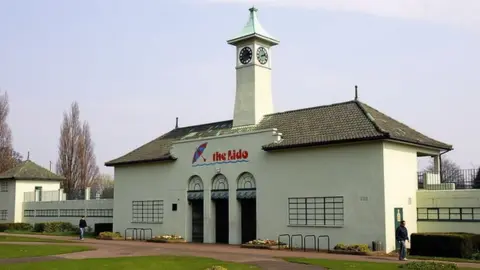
[(266, 259)]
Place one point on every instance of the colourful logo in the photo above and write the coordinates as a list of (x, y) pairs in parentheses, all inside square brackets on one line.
[(230, 156)]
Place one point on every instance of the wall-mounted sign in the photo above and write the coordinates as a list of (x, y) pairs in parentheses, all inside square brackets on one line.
[(230, 156)]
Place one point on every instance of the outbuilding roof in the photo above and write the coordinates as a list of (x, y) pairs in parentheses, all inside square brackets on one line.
[(336, 123), (28, 170)]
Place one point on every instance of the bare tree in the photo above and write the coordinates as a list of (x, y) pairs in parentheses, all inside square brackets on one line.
[(7, 160), (17, 157), (76, 158), (88, 169), (450, 172), (103, 186), (476, 180)]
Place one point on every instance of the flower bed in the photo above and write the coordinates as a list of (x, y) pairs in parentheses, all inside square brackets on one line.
[(351, 249), (167, 238), (109, 236), (264, 244)]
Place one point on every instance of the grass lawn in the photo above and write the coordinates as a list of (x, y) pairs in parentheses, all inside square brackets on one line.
[(9, 238), (130, 263), (20, 251), (442, 259), (423, 258), (342, 265)]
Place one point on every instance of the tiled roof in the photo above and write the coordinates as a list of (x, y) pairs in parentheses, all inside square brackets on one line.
[(28, 170), (337, 123)]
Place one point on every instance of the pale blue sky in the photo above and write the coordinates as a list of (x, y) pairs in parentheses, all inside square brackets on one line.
[(134, 66)]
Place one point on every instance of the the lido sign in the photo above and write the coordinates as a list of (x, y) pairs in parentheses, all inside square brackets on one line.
[(218, 157), (230, 155)]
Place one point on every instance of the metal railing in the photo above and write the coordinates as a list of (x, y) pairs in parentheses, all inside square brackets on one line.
[(449, 179), (303, 241), (139, 233)]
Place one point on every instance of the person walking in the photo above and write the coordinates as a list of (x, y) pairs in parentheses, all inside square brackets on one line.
[(82, 225), (401, 236)]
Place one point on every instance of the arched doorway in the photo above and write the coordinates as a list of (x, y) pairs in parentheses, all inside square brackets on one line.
[(246, 195), (220, 199), (195, 199)]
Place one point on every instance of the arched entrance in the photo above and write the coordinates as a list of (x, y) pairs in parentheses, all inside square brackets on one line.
[(220, 200), (246, 195), (195, 199)]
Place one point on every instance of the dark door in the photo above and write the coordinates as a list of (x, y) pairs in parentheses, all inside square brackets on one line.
[(249, 220), (221, 221), (197, 221), (398, 212)]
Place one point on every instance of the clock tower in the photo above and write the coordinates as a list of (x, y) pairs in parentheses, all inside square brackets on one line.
[(253, 97)]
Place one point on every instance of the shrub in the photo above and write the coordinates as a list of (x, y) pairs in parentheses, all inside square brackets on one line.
[(456, 245), (109, 235), (352, 248), (39, 227), (15, 227), (51, 227), (429, 266), (265, 242), (20, 226), (216, 267)]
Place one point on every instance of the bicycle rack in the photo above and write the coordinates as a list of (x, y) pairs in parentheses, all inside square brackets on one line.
[(134, 233), (289, 239), (305, 242), (143, 233), (301, 240), (318, 242)]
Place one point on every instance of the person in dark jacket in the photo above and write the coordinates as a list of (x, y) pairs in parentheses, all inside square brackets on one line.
[(82, 224), (401, 236)]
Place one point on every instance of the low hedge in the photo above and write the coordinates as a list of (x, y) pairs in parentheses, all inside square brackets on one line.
[(429, 266), (109, 236), (15, 227), (452, 245), (53, 227), (356, 249)]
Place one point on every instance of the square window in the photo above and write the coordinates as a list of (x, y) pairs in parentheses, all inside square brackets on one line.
[(3, 214), (147, 211), (316, 211), (3, 186)]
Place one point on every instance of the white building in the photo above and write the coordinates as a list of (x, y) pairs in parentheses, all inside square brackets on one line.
[(14, 183), (31, 194), (344, 170)]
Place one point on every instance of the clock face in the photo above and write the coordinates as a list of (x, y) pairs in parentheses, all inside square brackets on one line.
[(245, 55), (262, 55)]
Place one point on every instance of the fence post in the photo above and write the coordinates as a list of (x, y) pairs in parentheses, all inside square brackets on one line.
[(60, 194), (87, 194)]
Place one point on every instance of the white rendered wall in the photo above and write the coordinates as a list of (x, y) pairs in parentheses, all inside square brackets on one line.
[(352, 171), (449, 198), (77, 204), (400, 170), (22, 186)]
